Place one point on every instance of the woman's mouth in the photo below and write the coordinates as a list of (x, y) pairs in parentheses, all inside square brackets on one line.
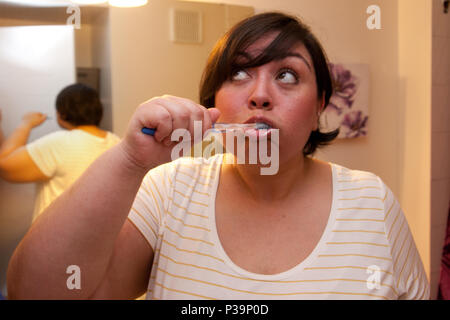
[(258, 133), (265, 123), (263, 128)]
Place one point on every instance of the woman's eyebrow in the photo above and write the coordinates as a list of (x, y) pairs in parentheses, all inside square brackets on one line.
[(247, 56), (298, 55), (244, 55)]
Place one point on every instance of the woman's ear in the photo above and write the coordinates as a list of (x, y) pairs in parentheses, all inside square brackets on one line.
[(62, 122), (319, 110), (322, 104)]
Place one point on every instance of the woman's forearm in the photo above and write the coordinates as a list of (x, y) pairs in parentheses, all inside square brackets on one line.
[(79, 228), (20, 135), (17, 139)]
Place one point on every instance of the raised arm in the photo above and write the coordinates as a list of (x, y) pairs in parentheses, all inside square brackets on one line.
[(20, 135), (16, 164), (86, 226)]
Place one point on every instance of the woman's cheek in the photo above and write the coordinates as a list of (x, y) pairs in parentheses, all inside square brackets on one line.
[(228, 105)]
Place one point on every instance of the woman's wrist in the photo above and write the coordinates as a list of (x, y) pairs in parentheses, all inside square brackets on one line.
[(25, 126), (127, 162)]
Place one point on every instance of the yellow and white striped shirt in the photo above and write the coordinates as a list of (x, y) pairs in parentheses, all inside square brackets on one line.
[(366, 251)]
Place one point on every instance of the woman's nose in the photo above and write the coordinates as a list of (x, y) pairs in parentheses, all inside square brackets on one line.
[(260, 96)]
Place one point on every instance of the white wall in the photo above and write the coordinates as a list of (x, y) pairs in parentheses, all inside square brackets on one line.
[(35, 64)]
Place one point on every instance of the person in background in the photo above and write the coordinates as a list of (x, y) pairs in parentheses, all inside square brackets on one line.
[(56, 160)]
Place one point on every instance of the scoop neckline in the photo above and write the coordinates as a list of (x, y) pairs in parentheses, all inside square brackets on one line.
[(214, 236)]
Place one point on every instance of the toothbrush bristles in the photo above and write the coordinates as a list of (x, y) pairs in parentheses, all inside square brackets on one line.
[(234, 126), (261, 125)]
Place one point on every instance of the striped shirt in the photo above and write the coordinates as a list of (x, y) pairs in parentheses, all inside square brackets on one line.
[(366, 250)]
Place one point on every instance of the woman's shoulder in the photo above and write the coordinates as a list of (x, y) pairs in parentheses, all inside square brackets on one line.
[(52, 137), (357, 180), (342, 172)]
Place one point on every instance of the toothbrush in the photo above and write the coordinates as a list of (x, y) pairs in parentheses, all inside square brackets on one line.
[(223, 127)]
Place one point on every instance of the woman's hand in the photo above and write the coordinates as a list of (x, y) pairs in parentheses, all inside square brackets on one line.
[(33, 119), (165, 114)]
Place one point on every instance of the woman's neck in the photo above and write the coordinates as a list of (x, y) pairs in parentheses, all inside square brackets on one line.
[(291, 175)]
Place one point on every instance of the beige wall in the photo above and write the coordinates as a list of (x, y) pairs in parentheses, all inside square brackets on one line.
[(414, 166), (100, 35), (424, 101), (145, 63), (83, 48)]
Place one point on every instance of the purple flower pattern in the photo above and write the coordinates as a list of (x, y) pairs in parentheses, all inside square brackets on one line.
[(352, 122), (344, 86)]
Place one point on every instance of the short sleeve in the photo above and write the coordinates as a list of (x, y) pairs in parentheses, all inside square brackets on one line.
[(149, 207), (43, 152), (410, 277)]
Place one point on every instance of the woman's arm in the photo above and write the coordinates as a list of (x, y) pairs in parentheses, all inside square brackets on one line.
[(79, 228), (20, 135), (86, 225), (20, 167), (16, 164)]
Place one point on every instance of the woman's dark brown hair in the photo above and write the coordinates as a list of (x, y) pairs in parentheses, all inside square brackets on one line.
[(79, 105), (223, 60)]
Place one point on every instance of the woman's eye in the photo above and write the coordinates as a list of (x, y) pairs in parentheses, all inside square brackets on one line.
[(288, 77), (239, 75)]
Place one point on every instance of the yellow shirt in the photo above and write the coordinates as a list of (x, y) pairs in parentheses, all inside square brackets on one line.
[(63, 156)]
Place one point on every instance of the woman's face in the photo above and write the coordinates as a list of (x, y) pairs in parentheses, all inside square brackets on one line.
[(282, 93)]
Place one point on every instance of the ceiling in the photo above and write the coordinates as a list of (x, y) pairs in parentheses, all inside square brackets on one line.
[(39, 3)]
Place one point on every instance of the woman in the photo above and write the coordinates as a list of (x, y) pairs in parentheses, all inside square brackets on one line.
[(56, 160), (216, 229)]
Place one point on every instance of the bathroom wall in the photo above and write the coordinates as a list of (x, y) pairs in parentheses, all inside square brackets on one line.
[(144, 61), (414, 119), (440, 138)]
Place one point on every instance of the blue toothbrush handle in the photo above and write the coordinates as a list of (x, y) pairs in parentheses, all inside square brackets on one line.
[(148, 131)]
